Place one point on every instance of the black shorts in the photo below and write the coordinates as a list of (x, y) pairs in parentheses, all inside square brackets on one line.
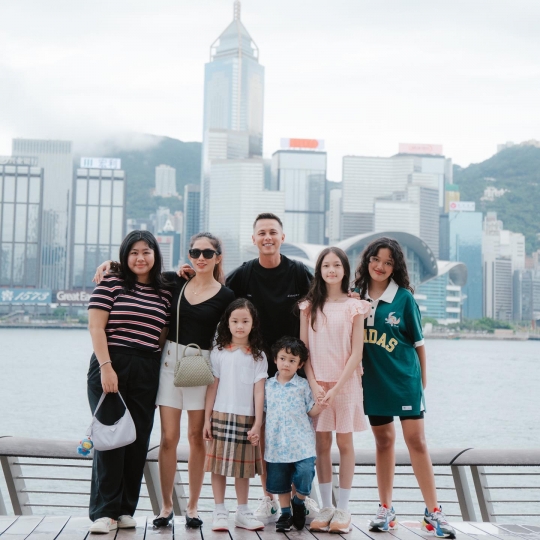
[(383, 420)]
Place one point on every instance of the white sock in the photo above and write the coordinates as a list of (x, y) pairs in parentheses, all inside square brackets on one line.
[(220, 508), (326, 494), (344, 496), (243, 508)]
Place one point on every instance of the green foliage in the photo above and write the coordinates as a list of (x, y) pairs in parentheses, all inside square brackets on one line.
[(140, 171), (59, 313), (431, 320), (516, 169), (481, 325)]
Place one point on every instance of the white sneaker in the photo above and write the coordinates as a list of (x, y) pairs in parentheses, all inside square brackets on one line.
[(312, 509), (322, 522), (127, 522), (268, 510), (220, 521), (103, 526), (246, 520), (341, 522)]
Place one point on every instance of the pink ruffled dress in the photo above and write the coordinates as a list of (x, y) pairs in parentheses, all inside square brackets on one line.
[(330, 347)]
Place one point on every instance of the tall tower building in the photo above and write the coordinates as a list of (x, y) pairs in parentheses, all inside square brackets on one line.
[(56, 160), (192, 212), (233, 103), (165, 181)]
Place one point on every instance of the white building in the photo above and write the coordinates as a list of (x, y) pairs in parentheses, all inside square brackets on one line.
[(165, 181), (301, 176), (237, 196), (56, 159), (334, 216), (367, 179), (503, 252)]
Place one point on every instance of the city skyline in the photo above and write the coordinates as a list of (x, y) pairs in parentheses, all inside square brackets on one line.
[(398, 70)]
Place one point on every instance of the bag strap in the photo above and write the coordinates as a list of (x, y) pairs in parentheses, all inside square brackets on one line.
[(178, 318), (193, 345), (102, 398)]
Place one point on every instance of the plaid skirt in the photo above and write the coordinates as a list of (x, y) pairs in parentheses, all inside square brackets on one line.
[(229, 453)]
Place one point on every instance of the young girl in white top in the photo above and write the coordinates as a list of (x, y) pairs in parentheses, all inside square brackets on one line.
[(332, 327), (234, 411)]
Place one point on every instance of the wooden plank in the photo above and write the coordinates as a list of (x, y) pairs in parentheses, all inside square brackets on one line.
[(49, 528), (295, 534), (6, 522), (532, 528), (362, 525), (160, 533), (181, 532), (209, 534), (409, 530), (501, 531), (517, 529), (469, 529), (75, 529), (133, 534), (242, 534), (22, 528), (269, 533)]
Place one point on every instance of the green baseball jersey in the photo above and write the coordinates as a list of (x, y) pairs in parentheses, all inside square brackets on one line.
[(392, 378)]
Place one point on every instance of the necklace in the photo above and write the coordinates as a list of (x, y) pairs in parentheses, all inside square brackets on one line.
[(196, 293)]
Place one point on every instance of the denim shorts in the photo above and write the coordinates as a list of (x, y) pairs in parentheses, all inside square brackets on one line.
[(280, 476)]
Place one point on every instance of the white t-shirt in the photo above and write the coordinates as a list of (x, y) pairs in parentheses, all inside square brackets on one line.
[(237, 373)]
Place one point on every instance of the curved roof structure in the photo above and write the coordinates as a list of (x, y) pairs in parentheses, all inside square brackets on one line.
[(457, 271)]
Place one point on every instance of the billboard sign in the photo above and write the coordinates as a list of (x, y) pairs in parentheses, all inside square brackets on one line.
[(72, 297), (101, 163), (302, 144), (25, 296), (462, 206), (429, 149), (19, 160)]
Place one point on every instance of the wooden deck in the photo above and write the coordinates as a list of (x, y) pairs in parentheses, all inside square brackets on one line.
[(76, 528)]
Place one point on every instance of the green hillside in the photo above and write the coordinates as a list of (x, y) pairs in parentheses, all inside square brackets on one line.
[(517, 170), (140, 170)]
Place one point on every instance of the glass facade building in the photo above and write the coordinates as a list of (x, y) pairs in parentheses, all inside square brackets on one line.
[(192, 201), (98, 225), (465, 245), (21, 203), (301, 176), (233, 98), (56, 160)]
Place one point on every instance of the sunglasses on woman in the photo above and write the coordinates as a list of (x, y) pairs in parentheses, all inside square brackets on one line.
[(206, 253)]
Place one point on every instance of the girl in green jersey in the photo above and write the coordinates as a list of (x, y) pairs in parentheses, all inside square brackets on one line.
[(394, 378)]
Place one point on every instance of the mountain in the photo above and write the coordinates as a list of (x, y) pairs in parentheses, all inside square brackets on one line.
[(516, 170), (140, 166)]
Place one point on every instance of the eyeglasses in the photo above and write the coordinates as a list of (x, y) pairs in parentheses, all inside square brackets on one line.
[(206, 253)]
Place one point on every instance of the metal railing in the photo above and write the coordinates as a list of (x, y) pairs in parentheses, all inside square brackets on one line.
[(473, 484)]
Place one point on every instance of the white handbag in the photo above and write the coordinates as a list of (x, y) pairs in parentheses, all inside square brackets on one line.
[(121, 433)]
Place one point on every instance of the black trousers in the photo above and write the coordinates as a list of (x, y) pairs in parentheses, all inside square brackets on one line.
[(117, 474)]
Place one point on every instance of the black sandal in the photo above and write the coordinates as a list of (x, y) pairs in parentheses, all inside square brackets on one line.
[(163, 521), (193, 522)]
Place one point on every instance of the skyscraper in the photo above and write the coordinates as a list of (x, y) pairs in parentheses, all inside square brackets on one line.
[(192, 212), (165, 181), (21, 199), (233, 102), (56, 159), (98, 221), (301, 175)]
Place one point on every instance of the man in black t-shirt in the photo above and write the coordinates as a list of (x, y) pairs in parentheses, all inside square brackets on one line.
[(273, 283)]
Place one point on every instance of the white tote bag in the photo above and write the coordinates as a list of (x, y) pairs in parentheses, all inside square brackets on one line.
[(121, 433)]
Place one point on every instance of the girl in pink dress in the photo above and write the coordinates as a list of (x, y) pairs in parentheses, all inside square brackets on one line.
[(332, 327)]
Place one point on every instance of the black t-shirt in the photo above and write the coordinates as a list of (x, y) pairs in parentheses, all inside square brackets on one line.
[(198, 322), (274, 293)]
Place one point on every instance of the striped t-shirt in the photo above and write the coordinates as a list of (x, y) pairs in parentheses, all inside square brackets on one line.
[(137, 318)]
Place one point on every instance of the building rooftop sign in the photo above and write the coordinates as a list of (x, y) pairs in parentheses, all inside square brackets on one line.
[(302, 144), (101, 163), (19, 160), (428, 149), (462, 206)]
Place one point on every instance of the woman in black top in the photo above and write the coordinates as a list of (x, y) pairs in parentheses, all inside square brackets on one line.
[(203, 302), (128, 316)]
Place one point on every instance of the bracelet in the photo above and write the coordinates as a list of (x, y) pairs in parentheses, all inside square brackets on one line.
[(107, 362)]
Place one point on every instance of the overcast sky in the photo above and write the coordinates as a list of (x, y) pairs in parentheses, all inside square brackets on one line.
[(363, 75)]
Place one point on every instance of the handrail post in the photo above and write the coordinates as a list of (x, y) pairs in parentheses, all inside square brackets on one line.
[(3, 510), (459, 473), (179, 496), (16, 486), (151, 475), (482, 492)]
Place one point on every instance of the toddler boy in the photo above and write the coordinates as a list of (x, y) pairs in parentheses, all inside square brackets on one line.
[(290, 437)]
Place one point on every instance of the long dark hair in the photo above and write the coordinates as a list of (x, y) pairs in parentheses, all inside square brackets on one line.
[(400, 274), (224, 336), (318, 292), (216, 244), (124, 272)]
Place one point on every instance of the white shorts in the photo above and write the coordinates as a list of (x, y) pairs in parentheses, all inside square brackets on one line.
[(186, 399)]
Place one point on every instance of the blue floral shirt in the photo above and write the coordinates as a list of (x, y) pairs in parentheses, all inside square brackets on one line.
[(289, 433)]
